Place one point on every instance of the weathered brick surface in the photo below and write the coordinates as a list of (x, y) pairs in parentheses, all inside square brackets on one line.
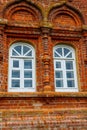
[(44, 24), (36, 120)]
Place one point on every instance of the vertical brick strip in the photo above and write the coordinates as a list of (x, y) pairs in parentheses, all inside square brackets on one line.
[(0, 120), (46, 58), (1, 56), (85, 47)]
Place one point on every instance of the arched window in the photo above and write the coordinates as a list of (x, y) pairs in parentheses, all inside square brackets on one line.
[(65, 69), (21, 68)]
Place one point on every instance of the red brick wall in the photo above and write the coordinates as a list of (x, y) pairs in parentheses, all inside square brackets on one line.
[(44, 24)]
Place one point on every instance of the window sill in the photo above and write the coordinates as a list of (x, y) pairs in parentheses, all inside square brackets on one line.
[(23, 90), (43, 94), (66, 90)]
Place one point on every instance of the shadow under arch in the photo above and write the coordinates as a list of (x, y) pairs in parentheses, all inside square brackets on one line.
[(11, 5), (66, 9)]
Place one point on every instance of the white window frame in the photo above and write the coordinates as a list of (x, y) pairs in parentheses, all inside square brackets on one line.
[(21, 68), (65, 88)]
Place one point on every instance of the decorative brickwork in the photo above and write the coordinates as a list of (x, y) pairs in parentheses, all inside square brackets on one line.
[(44, 24)]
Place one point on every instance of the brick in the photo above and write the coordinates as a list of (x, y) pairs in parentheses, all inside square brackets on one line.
[(44, 24)]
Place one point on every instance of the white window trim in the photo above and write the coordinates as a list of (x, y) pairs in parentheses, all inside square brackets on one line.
[(11, 58), (65, 88)]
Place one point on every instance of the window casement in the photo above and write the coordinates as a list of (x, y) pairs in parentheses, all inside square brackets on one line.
[(21, 68), (65, 69)]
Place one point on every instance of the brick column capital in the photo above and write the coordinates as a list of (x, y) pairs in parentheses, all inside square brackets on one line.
[(45, 30)]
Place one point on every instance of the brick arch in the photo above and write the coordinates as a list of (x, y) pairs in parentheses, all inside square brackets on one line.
[(22, 12), (65, 16)]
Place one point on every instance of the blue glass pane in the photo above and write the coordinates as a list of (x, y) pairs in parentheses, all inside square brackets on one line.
[(15, 64), (15, 83), (28, 64), (70, 83), (69, 65), (66, 51), (15, 74), (25, 49), (70, 55), (29, 54), (14, 53), (70, 74), (27, 83), (59, 83), (59, 50), (27, 74), (56, 55), (18, 49), (58, 64), (59, 74)]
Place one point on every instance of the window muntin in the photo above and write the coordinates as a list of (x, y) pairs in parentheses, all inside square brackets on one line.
[(65, 68), (21, 68)]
